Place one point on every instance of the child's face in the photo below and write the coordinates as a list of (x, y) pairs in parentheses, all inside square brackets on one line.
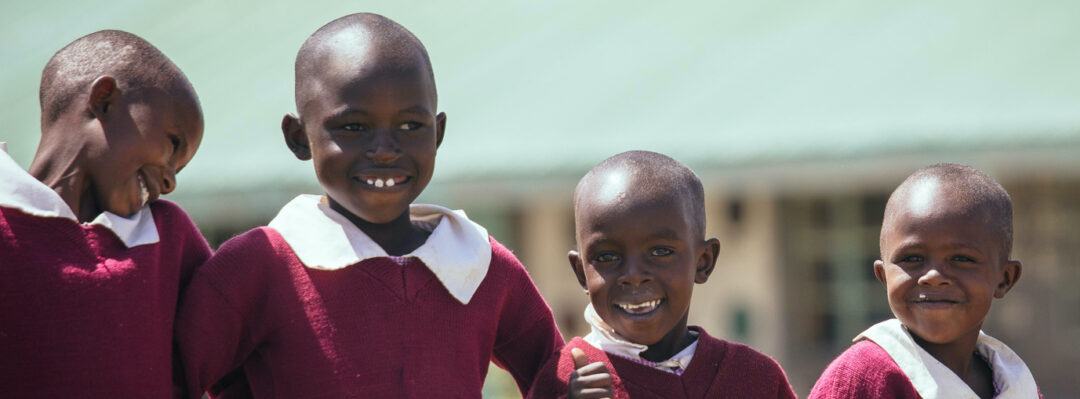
[(372, 133), (639, 260), (148, 137), (942, 265)]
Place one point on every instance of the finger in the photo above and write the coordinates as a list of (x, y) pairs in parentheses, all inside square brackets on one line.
[(592, 368), (580, 360), (596, 393), (594, 381)]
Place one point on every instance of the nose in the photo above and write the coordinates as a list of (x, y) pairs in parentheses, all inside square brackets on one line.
[(934, 275), (384, 148), (635, 273), (168, 181)]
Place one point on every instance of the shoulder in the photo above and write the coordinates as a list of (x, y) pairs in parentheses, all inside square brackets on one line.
[(258, 244), (166, 210), (863, 370), (502, 257)]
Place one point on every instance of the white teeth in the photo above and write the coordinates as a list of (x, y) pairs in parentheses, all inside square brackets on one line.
[(144, 193), (641, 307), (379, 183), (390, 182)]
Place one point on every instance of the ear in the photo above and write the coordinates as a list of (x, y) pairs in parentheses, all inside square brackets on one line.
[(296, 137), (103, 92), (440, 128), (1010, 274), (879, 271), (578, 267), (707, 260)]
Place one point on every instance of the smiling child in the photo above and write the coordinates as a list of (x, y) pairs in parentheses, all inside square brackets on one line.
[(945, 246), (359, 293), (640, 222), (92, 262)]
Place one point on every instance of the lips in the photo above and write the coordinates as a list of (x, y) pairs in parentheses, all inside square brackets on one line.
[(640, 307), (380, 182), (936, 301)]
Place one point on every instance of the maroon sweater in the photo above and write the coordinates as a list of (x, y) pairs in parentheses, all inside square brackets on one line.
[(375, 329), (719, 369), (864, 371), (82, 315)]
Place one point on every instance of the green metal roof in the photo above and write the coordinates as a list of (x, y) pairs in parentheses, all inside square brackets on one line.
[(536, 88)]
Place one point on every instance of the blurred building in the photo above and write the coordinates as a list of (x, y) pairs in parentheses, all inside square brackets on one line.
[(800, 119)]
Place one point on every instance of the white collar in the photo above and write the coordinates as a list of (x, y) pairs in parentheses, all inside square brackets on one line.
[(458, 251), (20, 190), (606, 339), (932, 379)]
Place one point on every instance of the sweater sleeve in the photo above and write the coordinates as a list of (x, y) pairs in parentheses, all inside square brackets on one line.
[(527, 336), (223, 317), (175, 227), (863, 371), (549, 383)]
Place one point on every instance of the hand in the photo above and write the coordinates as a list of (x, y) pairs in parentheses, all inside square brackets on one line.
[(589, 380)]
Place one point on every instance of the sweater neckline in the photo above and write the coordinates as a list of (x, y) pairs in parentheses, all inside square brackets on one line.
[(19, 190)]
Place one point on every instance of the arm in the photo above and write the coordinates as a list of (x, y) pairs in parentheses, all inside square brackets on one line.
[(527, 336), (216, 328)]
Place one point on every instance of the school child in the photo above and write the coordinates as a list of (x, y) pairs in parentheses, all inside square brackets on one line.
[(359, 292), (91, 260), (945, 246), (640, 219)]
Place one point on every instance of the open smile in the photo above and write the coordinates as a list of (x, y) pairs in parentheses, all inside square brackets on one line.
[(382, 181), (146, 191), (640, 309)]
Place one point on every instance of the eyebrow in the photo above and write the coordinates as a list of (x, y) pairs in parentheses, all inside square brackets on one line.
[(666, 233), (348, 111)]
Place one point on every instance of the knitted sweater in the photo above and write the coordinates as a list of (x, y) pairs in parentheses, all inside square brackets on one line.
[(885, 362), (719, 369), (376, 329), (863, 371), (82, 315)]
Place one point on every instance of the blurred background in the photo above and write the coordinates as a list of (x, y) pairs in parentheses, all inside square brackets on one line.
[(799, 117)]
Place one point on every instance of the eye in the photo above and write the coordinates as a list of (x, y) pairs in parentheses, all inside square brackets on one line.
[(353, 127), (410, 126), (175, 143), (606, 257), (962, 258), (661, 251), (910, 259)]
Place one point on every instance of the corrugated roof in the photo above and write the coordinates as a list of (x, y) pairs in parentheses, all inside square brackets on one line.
[(534, 89)]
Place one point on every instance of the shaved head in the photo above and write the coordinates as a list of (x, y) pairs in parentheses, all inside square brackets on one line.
[(648, 175), (965, 188), (131, 60), (353, 44)]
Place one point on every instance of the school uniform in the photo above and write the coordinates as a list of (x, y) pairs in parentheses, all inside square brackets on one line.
[(311, 307), (707, 368), (885, 362), (87, 309)]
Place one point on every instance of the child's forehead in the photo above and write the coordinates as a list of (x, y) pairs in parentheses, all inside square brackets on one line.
[(619, 192)]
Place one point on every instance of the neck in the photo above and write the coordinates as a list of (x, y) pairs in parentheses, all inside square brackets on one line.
[(955, 355), (397, 237), (674, 341), (57, 165)]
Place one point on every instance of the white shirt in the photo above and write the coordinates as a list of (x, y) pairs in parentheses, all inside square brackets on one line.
[(458, 251), (606, 339), (932, 379), (20, 190)]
